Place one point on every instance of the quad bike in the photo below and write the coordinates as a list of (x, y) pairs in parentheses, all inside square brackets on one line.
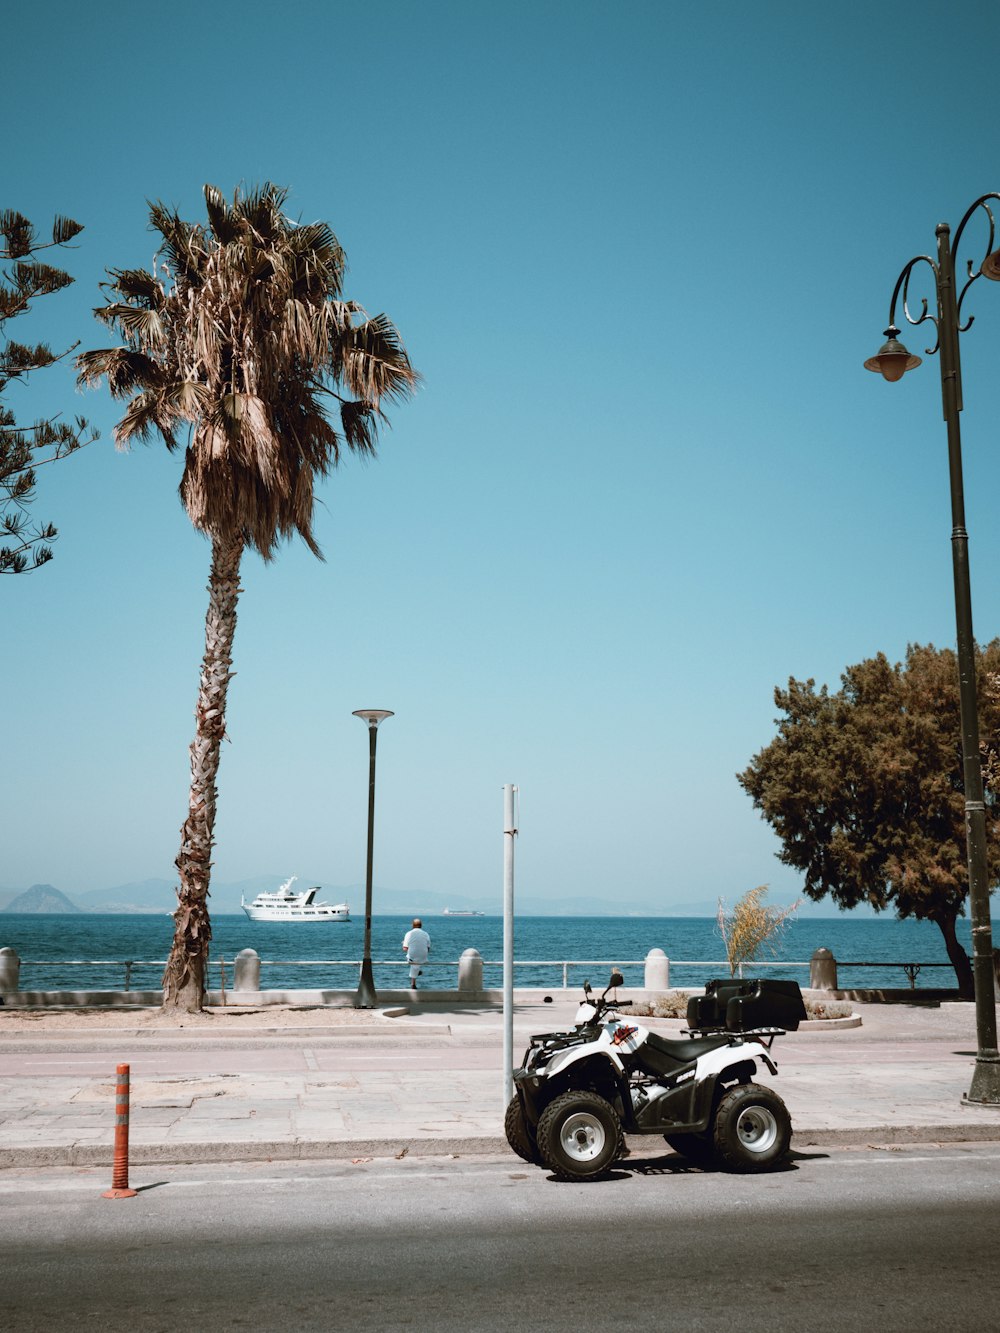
[(577, 1093)]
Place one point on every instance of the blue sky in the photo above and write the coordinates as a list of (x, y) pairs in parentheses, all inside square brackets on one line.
[(639, 253)]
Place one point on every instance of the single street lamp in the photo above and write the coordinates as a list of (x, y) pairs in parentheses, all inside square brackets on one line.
[(892, 361), (366, 998)]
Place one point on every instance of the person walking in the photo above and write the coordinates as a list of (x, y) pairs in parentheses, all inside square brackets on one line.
[(417, 947)]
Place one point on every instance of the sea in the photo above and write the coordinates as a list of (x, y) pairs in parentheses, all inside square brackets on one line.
[(549, 951)]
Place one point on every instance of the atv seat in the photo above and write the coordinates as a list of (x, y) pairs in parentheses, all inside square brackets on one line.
[(661, 1055)]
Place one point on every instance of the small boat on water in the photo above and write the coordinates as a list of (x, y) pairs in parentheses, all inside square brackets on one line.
[(285, 904), (459, 911)]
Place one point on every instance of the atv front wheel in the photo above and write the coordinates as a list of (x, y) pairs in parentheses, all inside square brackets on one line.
[(519, 1134), (752, 1129), (579, 1136)]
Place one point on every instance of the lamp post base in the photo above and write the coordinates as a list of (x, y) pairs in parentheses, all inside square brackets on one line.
[(366, 997), (985, 1090)]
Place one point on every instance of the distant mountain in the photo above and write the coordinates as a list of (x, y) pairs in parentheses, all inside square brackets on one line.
[(41, 898), (152, 896), (148, 895)]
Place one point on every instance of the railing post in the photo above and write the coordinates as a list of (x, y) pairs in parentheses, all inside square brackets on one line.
[(823, 971), (470, 971), (246, 970), (657, 974), (10, 969)]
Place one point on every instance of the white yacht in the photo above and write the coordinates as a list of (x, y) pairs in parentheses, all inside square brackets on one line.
[(286, 905)]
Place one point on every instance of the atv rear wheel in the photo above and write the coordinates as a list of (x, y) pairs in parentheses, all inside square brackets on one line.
[(697, 1148), (752, 1129), (579, 1136), (519, 1134)]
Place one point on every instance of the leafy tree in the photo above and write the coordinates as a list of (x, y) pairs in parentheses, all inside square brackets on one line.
[(864, 786), (752, 927), (23, 448), (240, 338)]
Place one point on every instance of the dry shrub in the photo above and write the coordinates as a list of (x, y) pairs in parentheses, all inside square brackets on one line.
[(827, 1008), (671, 1004), (752, 928)]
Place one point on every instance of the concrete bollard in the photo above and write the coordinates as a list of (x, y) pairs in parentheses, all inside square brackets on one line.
[(657, 975), (10, 969), (823, 971), (246, 970), (470, 971)]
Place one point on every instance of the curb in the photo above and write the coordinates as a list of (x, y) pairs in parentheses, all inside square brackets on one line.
[(277, 1150), (283, 1150)]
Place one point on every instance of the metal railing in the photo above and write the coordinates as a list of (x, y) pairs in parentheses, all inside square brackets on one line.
[(220, 964), (912, 970)]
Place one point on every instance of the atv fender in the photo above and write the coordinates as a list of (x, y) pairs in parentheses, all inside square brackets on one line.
[(592, 1073)]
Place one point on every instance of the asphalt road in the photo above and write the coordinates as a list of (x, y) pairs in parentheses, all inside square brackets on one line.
[(848, 1240)]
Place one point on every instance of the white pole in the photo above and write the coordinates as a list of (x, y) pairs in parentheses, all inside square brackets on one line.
[(509, 834)]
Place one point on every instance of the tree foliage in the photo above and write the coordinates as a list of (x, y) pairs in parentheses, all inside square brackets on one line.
[(26, 546), (234, 348), (864, 786)]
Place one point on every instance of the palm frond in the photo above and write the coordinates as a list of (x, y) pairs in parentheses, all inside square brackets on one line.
[(139, 324), (135, 284), (180, 242), (260, 208), (144, 415), (126, 370), (376, 365), (187, 399), (359, 428), (221, 218)]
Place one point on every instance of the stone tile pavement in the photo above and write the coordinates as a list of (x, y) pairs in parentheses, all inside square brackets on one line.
[(431, 1081)]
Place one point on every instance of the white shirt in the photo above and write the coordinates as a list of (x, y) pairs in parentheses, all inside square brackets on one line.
[(417, 944)]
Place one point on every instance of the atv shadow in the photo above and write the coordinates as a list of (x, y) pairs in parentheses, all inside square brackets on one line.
[(674, 1164)]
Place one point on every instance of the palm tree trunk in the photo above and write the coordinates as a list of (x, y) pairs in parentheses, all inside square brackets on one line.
[(184, 978)]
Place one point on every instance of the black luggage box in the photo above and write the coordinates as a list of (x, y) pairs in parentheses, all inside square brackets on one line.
[(740, 1006)]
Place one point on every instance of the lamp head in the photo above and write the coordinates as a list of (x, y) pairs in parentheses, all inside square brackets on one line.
[(990, 267), (892, 360), (373, 716)]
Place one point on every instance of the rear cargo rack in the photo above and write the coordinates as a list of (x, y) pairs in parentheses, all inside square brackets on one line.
[(765, 1036)]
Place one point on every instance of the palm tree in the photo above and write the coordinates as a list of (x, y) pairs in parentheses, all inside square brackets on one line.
[(240, 339)]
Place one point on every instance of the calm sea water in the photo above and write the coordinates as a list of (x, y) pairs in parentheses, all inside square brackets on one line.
[(46, 943)]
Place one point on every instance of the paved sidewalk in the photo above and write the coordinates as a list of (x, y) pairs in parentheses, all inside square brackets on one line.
[(431, 1082)]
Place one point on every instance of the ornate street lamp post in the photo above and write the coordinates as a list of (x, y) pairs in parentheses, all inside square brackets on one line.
[(892, 361), (366, 998)]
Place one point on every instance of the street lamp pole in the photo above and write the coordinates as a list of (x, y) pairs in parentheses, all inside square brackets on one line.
[(892, 361), (366, 997)]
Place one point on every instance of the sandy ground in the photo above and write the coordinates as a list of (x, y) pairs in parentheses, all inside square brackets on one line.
[(229, 1017)]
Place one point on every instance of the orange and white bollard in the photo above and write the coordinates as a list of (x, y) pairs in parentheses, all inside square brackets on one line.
[(119, 1175)]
